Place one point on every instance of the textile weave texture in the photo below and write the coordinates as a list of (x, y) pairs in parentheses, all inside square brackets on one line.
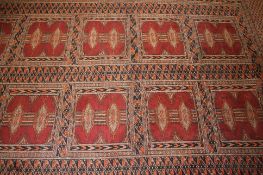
[(131, 87)]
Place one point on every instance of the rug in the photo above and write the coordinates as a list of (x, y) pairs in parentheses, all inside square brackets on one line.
[(131, 87)]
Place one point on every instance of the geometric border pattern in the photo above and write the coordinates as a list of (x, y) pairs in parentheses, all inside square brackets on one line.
[(66, 78), (133, 165)]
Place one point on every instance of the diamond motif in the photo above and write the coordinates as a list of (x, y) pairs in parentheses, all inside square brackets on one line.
[(88, 117), (36, 38), (209, 38), (228, 116), (113, 39), (16, 118), (113, 117), (172, 37), (153, 38), (227, 37), (55, 39), (251, 115), (185, 116), (162, 116), (93, 37), (41, 119)]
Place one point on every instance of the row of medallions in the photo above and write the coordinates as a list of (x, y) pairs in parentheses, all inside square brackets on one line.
[(110, 38), (239, 116), (170, 116)]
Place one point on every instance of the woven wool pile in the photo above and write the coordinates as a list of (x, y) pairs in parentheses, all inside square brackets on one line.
[(143, 87)]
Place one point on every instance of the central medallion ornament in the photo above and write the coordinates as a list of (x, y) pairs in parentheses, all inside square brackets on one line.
[(153, 38), (172, 37), (16, 119), (41, 119), (93, 37), (113, 117), (55, 39), (113, 39), (227, 37), (251, 115), (209, 38), (228, 116), (36, 38), (185, 116), (161, 113), (88, 117)]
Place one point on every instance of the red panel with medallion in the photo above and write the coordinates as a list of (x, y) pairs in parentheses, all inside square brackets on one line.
[(46, 39), (162, 37), (219, 38), (101, 119), (29, 119), (240, 115), (172, 117), (104, 38)]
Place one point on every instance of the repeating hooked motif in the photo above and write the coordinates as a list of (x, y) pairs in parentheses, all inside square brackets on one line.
[(145, 87)]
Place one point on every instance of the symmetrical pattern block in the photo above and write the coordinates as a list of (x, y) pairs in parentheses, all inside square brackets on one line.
[(162, 38), (120, 87), (28, 119), (107, 38), (104, 38), (172, 119), (239, 115), (218, 38), (46, 39), (5, 32), (101, 121)]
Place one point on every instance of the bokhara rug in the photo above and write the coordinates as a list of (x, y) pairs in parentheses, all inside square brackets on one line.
[(131, 87)]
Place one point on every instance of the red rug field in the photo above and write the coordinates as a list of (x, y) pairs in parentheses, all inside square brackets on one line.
[(131, 87)]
